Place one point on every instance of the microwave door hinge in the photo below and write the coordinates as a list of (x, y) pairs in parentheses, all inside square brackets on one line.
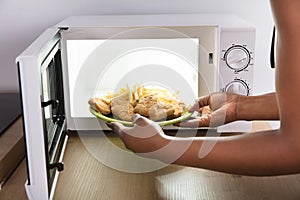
[(59, 166)]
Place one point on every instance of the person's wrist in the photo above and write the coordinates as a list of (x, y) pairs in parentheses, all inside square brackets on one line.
[(240, 107)]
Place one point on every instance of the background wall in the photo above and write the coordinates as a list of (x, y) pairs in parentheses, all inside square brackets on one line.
[(22, 21)]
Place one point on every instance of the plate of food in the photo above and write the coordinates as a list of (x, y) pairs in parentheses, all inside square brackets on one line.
[(157, 104)]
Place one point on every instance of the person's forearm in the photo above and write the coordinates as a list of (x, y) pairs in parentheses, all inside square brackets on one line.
[(263, 107), (250, 154)]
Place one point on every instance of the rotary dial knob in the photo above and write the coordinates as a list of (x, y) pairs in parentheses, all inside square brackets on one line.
[(238, 86), (237, 58)]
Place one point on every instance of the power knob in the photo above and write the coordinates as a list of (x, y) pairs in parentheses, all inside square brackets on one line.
[(237, 58), (238, 86)]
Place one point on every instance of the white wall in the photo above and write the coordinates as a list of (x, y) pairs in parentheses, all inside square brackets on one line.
[(22, 21)]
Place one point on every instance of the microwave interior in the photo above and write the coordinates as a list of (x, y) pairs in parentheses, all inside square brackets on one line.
[(97, 61)]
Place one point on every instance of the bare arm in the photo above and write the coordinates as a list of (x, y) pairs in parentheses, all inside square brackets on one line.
[(287, 15), (262, 153), (262, 107), (271, 152), (229, 107)]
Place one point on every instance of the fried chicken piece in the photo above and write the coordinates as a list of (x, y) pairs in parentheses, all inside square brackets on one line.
[(206, 110), (100, 105), (144, 104), (150, 106), (179, 108), (122, 108), (161, 111)]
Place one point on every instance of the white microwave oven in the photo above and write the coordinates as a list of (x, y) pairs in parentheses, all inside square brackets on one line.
[(87, 56)]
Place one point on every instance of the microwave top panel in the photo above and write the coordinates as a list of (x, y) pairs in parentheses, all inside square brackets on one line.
[(220, 20)]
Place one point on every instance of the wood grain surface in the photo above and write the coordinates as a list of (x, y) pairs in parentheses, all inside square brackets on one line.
[(86, 178)]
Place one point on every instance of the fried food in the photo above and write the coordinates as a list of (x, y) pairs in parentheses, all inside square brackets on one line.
[(100, 105), (144, 104), (150, 106), (179, 109), (161, 111), (206, 110), (121, 107), (154, 103)]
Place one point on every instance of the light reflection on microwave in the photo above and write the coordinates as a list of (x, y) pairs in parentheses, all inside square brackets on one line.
[(99, 66)]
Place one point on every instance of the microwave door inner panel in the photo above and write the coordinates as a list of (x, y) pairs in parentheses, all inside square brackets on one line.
[(40, 73)]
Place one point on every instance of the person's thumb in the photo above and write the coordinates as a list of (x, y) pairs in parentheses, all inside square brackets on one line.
[(140, 120)]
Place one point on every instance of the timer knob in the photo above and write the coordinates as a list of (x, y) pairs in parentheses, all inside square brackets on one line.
[(238, 86), (237, 58)]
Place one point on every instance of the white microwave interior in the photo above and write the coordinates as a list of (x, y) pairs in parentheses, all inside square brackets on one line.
[(97, 67), (104, 60)]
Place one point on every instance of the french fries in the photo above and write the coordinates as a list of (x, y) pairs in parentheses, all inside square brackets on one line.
[(137, 92)]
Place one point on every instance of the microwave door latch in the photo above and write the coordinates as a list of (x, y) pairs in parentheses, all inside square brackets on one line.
[(59, 166), (53, 103), (55, 106)]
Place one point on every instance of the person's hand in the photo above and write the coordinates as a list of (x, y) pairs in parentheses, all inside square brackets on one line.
[(145, 137), (222, 109)]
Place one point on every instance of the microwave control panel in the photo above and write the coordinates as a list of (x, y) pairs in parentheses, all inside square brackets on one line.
[(236, 64)]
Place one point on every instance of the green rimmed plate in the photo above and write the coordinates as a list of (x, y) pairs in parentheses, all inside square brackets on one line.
[(183, 117)]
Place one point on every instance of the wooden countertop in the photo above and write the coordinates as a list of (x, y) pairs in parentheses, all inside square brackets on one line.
[(12, 150), (85, 177)]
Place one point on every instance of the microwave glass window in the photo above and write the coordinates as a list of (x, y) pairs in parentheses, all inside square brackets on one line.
[(53, 112), (96, 67), (48, 81)]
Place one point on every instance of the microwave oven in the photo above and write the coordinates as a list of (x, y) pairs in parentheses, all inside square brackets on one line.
[(87, 56)]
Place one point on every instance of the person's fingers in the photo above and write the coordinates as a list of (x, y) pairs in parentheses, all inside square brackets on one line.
[(200, 102), (144, 128), (140, 120), (195, 107), (218, 118), (116, 127), (217, 100)]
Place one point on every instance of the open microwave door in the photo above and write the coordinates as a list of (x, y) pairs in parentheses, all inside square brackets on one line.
[(41, 85)]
